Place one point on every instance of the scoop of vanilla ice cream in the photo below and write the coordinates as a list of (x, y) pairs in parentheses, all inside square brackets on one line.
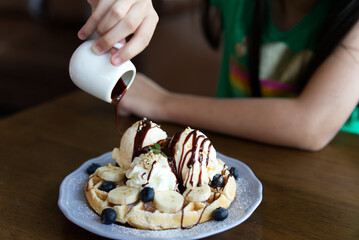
[(195, 158), (146, 131), (151, 170), (214, 167)]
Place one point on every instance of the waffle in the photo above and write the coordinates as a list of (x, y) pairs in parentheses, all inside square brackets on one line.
[(146, 216)]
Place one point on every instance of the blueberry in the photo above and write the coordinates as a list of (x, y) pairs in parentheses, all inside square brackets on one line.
[(108, 216), (92, 168), (234, 172), (219, 214), (147, 194), (220, 182), (107, 186), (217, 181)]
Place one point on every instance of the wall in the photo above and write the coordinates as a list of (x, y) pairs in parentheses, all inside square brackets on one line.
[(35, 48)]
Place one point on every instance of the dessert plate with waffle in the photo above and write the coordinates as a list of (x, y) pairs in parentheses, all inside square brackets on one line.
[(154, 186)]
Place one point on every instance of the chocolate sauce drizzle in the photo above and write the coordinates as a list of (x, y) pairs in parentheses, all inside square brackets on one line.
[(215, 197), (149, 175), (199, 219), (143, 127), (191, 154), (168, 148)]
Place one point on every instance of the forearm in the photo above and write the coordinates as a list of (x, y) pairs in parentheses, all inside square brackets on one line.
[(271, 120), (309, 121)]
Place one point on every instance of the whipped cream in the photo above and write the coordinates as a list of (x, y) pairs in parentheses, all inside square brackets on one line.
[(151, 170)]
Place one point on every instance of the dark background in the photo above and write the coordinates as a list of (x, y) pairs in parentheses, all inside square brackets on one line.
[(38, 38)]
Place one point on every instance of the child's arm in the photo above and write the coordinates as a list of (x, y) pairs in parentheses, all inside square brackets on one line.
[(307, 122)]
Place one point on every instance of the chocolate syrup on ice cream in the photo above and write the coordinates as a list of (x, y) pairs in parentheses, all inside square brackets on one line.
[(144, 126), (168, 148)]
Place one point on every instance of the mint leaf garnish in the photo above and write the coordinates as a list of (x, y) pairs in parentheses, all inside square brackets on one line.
[(156, 149)]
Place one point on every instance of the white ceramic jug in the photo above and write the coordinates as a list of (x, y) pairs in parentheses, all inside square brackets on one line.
[(96, 75)]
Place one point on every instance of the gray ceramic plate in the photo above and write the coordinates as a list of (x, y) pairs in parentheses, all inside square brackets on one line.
[(73, 204)]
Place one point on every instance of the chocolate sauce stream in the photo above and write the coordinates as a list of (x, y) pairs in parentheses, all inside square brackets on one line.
[(117, 93)]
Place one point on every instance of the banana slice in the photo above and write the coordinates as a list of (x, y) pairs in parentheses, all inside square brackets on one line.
[(111, 173), (168, 201), (123, 195), (197, 194)]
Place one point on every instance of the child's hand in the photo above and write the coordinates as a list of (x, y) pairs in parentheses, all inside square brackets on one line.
[(114, 20)]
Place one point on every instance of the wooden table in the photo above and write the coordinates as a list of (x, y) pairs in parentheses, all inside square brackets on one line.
[(305, 195)]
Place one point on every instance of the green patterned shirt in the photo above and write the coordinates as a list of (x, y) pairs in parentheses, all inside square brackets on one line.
[(284, 54)]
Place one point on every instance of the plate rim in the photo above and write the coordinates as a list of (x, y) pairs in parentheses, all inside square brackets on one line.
[(228, 160)]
